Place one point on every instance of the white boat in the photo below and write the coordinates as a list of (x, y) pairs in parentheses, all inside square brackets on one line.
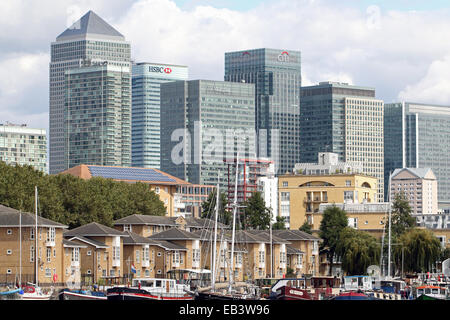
[(33, 292), (150, 289)]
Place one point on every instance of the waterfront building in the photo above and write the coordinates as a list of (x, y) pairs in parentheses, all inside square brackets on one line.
[(28, 255), (276, 74), (180, 198), (204, 122), (267, 184), (145, 115), (101, 257), (22, 145), (97, 118), (89, 41), (300, 195), (418, 136), (438, 223), (347, 120), (419, 185)]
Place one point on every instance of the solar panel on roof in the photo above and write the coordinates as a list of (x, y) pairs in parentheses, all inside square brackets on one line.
[(129, 174)]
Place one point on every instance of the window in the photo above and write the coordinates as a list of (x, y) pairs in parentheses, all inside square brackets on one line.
[(348, 183), (285, 196), (32, 254), (9, 231), (88, 252), (285, 183), (51, 235), (261, 256), (75, 254), (31, 234), (48, 272), (138, 258), (127, 227), (176, 257), (49, 254), (9, 252), (157, 190)]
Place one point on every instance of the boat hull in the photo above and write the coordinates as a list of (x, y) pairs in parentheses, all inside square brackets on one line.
[(125, 293), (73, 295), (290, 293)]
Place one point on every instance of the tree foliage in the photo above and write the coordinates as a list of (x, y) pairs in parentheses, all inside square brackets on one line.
[(256, 214), (357, 250), (334, 220), (306, 227), (73, 201), (421, 249), (401, 219), (209, 207), (280, 224)]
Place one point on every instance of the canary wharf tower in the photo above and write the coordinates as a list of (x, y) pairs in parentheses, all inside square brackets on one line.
[(276, 74), (89, 52)]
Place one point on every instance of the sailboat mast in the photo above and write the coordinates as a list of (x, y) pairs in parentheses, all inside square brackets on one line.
[(389, 229), (36, 233), (20, 248), (213, 276), (234, 224)]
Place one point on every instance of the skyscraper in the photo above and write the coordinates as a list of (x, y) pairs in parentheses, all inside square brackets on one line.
[(145, 119), (89, 41), (277, 78), (22, 145), (418, 136), (347, 120), (203, 123)]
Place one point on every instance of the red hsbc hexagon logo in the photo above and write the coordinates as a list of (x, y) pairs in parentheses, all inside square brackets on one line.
[(167, 70)]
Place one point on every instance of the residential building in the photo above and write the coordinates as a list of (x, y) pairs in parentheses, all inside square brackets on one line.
[(347, 120), (90, 40), (97, 115), (276, 74), (300, 195), (29, 252), (369, 217), (420, 187), (163, 184), (101, 260), (146, 108), (189, 199), (204, 122), (22, 145), (268, 186), (418, 136)]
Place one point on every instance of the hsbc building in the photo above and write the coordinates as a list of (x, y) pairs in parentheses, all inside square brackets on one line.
[(145, 114)]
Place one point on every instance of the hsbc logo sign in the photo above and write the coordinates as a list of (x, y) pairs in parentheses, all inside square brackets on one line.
[(160, 69)]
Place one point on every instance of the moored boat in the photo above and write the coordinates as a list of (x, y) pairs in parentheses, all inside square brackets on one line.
[(33, 292), (430, 292), (352, 295), (75, 294), (150, 289)]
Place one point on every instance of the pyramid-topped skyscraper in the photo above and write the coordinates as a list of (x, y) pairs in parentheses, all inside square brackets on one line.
[(90, 96)]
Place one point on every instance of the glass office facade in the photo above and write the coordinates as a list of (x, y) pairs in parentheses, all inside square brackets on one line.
[(347, 120), (98, 116), (203, 123), (418, 136), (23, 146), (88, 40), (277, 78), (145, 118)]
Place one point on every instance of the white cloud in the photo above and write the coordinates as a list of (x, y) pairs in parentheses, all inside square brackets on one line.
[(434, 87)]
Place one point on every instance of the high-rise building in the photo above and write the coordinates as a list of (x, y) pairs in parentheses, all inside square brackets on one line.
[(22, 145), (418, 136), (347, 120), (277, 78), (90, 40), (204, 122), (97, 118), (145, 115)]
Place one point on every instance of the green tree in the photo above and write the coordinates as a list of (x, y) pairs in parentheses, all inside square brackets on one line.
[(280, 224), (306, 227), (209, 207), (401, 218), (421, 249), (256, 214), (357, 250), (334, 220)]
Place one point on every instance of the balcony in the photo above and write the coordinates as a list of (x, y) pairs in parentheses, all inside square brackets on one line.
[(116, 263), (145, 263), (50, 243)]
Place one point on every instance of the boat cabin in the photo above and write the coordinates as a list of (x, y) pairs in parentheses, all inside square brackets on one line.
[(354, 283), (153, 285), (434, 292)]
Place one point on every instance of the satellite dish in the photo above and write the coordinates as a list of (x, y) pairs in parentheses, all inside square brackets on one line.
[(373, 271), (446, 267)]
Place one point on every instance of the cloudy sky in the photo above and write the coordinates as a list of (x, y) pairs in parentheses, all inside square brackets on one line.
[(401, 47)]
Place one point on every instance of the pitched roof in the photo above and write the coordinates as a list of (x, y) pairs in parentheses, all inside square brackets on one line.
[(90, 24), (10, 217), (418, 172), (133, 238), (94, 229), (202, 223), (140, 219), (292, 235), (167, 245), (265, 234), (72, 244), (174, 234), (91, 242), (292, 250)]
